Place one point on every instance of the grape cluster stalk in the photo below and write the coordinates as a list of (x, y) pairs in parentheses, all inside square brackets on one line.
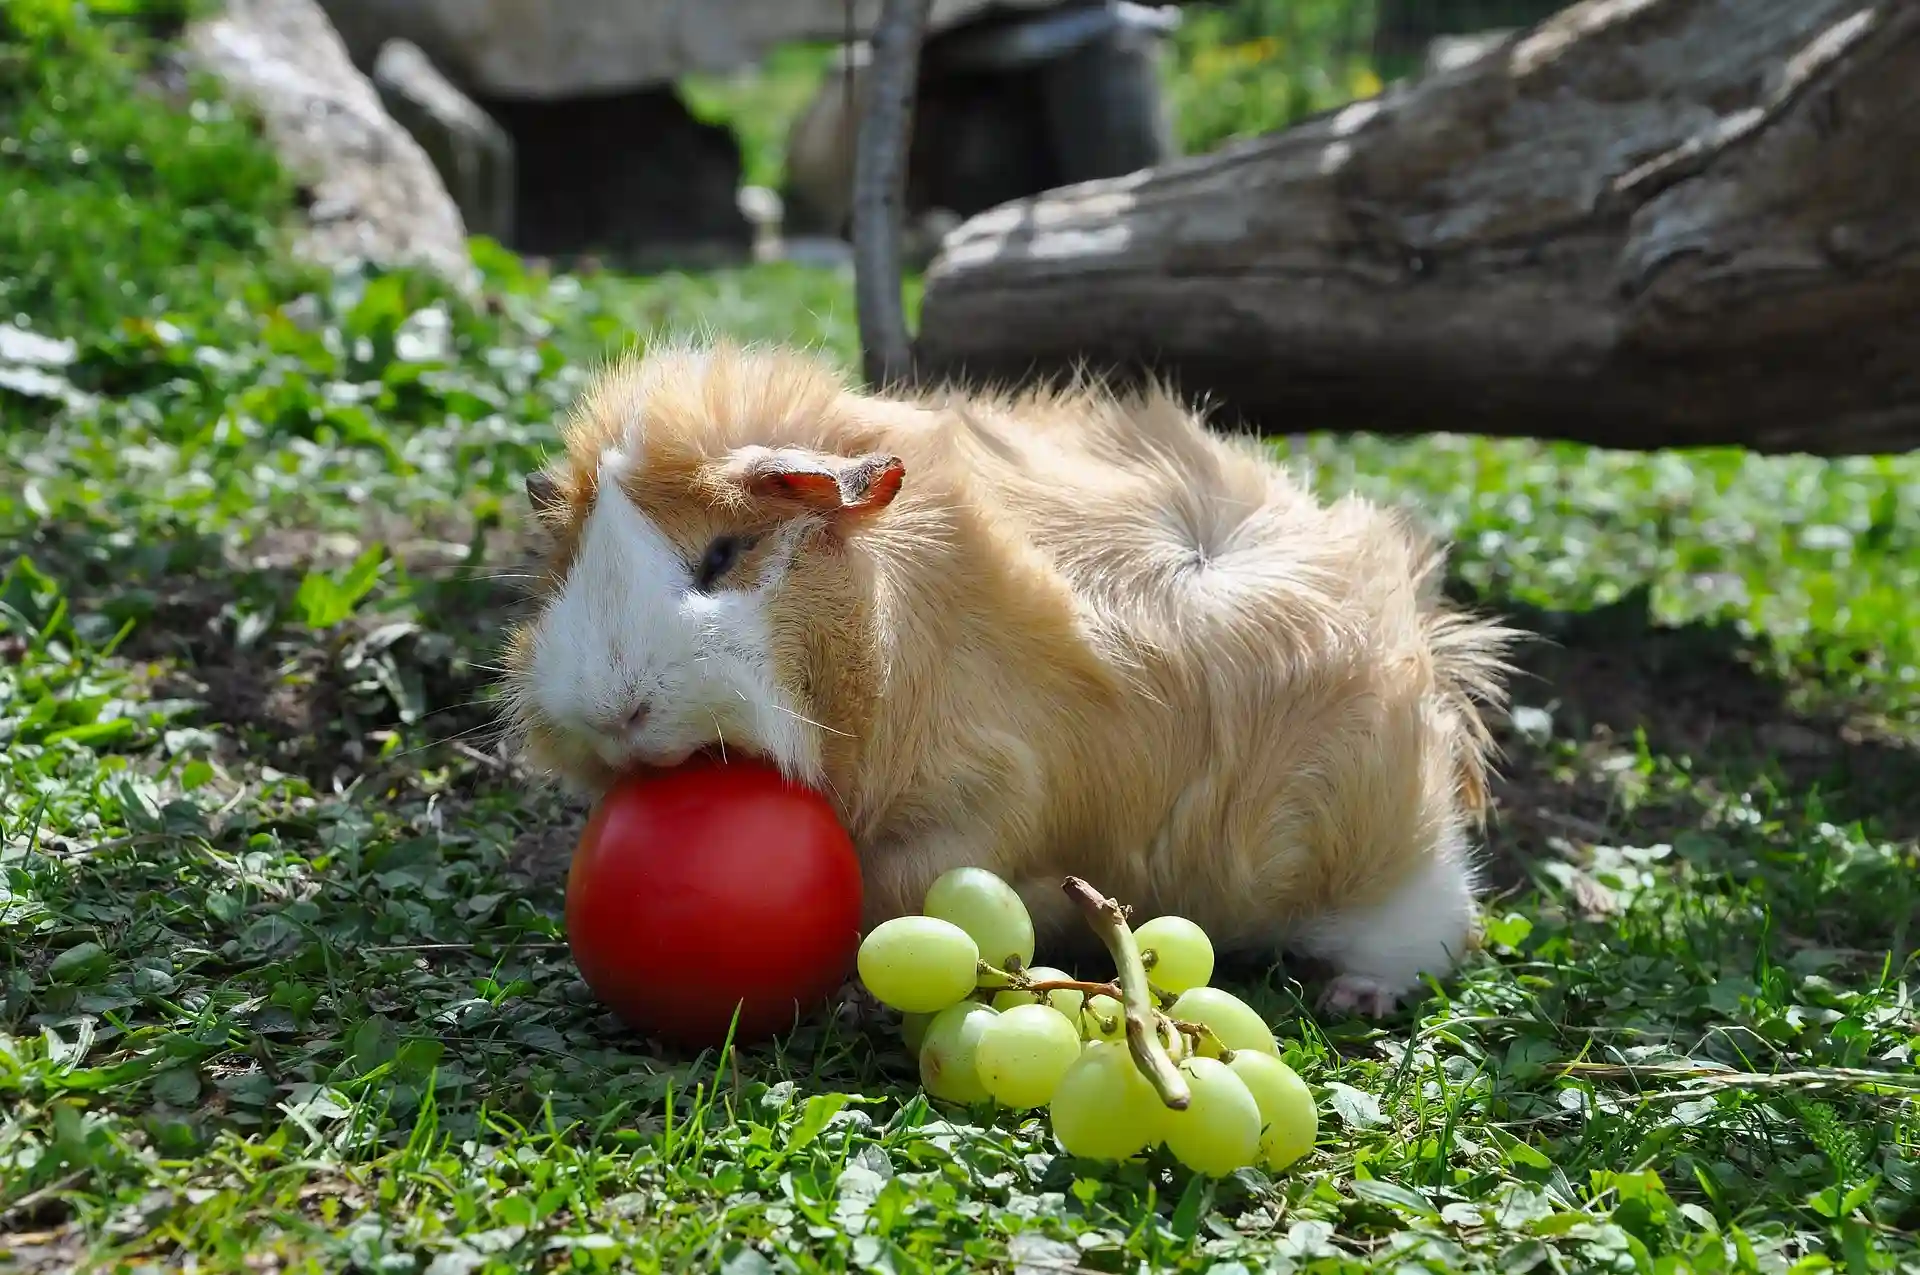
[(1154, 1057)]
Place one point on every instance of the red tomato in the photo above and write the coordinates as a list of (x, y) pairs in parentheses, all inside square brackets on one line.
[(711, 887)]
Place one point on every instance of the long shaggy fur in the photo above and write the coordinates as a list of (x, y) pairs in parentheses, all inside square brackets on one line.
[(1088, 636)]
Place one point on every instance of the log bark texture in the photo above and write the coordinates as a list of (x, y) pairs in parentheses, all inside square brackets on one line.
[(1642, 224)]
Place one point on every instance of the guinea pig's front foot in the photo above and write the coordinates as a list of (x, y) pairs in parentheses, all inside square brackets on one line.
[(855, 1006), (1359, 994)]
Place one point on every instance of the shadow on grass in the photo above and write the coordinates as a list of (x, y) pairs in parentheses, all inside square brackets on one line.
[(1627, 693), (229, 631)]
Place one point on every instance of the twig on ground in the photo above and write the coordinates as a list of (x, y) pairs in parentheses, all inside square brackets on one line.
[(27, 1202), (1696, 1079)]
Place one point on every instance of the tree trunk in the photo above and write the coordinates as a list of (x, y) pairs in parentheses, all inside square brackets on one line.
[(1643, 223), (879, 189)]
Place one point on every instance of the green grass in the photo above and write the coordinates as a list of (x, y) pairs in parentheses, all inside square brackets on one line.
[(1246, 68), (282, 975), (109, 207)]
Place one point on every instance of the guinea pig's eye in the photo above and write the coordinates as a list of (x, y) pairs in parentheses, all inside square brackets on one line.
[(721, 557)]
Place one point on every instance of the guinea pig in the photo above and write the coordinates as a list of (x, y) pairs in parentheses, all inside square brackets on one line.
[(1065, 631)]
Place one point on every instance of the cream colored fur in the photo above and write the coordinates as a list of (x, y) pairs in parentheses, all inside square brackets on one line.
[(1088, 636)]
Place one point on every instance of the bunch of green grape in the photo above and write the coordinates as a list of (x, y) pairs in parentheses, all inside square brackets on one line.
[(960, 974)]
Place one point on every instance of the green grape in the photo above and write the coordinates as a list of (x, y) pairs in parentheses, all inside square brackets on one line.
[(918, 964), (949, 1055), (1232, 1019), (1289, 1120), (1066, 1000), (1104, 1019), (1103, 1108), (913, 1031), (1024, 1052), (1183, 954), (1220, 1129), (988, 909)]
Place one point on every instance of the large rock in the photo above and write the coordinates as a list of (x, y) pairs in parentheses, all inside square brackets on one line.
[(550, 49), (374, 193), (473, 154), (632, 179)]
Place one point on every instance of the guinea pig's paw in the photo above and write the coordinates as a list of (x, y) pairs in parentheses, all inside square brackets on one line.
[(1359, 994), (855, 1006)]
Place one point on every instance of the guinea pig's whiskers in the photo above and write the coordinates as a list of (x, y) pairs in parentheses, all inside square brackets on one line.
[(444, 709), (461, 740), (482, 573), (828, 784), (464, 733), (809, 721)]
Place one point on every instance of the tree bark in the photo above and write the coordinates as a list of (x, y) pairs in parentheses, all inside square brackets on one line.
[(879, 190), (1642, 223)]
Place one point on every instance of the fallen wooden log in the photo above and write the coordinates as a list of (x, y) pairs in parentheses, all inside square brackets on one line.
[(1641, 224)]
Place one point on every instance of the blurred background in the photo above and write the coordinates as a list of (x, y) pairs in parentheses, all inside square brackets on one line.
[(629, 132), (637, 136)]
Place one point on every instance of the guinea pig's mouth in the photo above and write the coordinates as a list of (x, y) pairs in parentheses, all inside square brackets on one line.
[(711, 755), (720, 754)]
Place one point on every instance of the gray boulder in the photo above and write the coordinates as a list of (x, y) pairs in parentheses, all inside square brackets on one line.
[(473, 154), (375, 196)]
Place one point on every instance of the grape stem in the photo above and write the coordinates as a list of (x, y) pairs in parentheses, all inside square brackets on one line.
[(1200, 1032), (1074, 985), (1020, 981), (1108, 920)]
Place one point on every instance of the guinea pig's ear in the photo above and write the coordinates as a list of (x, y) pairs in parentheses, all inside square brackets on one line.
[(818, 481)]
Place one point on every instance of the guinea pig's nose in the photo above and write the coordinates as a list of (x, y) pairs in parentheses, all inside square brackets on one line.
[(621, 721)]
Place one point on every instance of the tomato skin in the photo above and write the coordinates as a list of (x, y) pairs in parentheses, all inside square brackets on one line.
[(709, 887)]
